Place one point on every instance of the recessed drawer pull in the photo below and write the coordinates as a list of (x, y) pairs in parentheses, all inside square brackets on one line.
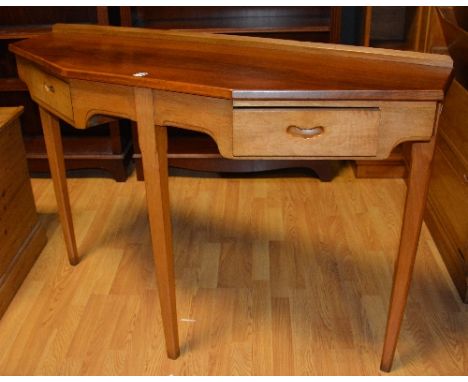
[(49, 88), (304, 132)]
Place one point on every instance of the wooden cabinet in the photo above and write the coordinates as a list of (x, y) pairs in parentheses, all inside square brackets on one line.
[(434, 30), (107, 146), (294, 23), (447, 208), (21, 234), (198, 151), (403, 28)]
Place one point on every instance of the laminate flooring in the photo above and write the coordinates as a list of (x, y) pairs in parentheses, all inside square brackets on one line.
[(274, 276)]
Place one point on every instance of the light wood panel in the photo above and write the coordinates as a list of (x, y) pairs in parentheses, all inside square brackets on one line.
[(184, 111), (273, 275), (98, 99), (326, 131)]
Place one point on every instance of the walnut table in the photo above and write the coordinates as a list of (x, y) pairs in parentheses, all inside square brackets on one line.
[(258, 99)]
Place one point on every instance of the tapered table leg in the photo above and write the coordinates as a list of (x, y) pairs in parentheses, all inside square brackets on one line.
[(53, 142), (153, 144), (418, 181)]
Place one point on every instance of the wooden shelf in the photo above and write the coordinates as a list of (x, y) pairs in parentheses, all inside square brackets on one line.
[(22, 31), (240, 31), (391, 44), (81, 153), (237, 25), (12, 85), (227, 17), (73, 146)]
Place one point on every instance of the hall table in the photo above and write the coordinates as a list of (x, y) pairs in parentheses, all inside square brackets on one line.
[(257, 98)]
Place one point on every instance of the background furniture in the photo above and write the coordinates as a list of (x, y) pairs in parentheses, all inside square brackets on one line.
[(447, 209), (402, 28), (197, 151), (21, 235), (106, 147)]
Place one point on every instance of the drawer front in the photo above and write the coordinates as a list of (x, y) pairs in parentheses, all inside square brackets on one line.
[(47, 89), (321, 131)]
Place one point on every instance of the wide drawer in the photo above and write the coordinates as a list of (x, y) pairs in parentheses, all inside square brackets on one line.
[(321, 131), (53, 92)]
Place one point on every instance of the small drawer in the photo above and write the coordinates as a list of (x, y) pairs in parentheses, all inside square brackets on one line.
[(53, 92), (321, 131)]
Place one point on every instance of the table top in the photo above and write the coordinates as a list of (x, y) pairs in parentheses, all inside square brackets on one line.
[(236, 67)]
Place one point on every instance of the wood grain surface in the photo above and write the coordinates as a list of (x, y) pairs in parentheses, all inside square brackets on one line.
[(418, 184), (153, 144), (53, 140), (21, 234), (236, 66), (283, 131), (273, 276)]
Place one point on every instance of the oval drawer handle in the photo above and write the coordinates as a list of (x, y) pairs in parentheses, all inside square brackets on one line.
[(465, 178), (304, 132), (49, 88)]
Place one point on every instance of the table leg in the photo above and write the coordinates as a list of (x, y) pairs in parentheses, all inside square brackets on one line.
[(418, 181), (53, 142), (153, 145)]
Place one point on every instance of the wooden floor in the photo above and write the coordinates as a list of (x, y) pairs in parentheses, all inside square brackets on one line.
[(274, 276)]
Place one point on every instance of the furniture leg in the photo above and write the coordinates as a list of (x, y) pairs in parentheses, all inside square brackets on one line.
[(418, 181), (53, 142), (153, 144)]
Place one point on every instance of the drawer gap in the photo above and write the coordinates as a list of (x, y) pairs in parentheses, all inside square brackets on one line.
[(305, 107)]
